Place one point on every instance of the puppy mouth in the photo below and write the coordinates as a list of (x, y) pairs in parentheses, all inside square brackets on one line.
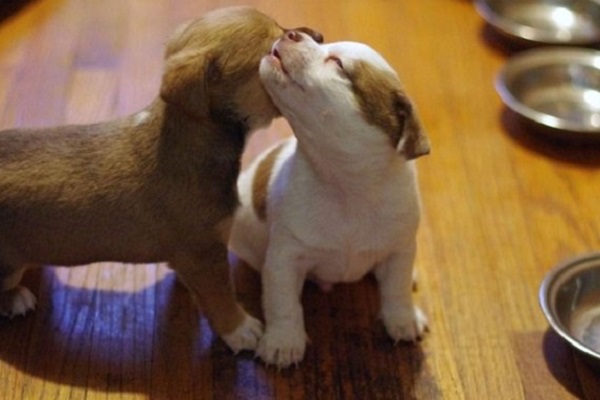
[(277, 55)]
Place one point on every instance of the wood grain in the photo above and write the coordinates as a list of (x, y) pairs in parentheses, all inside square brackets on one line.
[(501, 207)]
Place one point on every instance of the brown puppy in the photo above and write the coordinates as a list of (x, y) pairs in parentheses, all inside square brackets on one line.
[(159, 185)]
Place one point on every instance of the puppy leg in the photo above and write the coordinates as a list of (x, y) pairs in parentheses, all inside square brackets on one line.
[(14, 299), (284, 341), (403, 320), (206, 274)]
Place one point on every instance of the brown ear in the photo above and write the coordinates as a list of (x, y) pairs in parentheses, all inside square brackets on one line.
[(185, 80), (316, 36), (413, 141)]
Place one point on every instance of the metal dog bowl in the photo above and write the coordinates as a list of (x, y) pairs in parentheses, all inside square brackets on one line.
[(570, 299), (557, 88), (544, 21)]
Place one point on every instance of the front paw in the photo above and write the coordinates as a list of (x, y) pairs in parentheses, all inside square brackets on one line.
[(282, 347), (245, 336), (16, 301), (405, 325)]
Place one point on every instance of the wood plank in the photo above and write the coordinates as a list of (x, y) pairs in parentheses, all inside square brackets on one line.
[(501, 207), (39, 87)]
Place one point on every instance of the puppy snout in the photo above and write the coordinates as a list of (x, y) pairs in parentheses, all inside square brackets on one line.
[(294, 36)]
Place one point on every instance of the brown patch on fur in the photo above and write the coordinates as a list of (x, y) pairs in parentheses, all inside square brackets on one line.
[(317, 37), (260, 184), (385, 105)]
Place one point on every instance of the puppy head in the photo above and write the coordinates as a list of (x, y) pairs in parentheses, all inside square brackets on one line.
[(212, 64), (346, 84)]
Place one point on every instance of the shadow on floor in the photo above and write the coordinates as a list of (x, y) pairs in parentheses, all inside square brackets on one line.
[(154, 342)]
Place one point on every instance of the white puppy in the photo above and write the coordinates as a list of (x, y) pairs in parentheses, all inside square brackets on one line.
[(338, 201)]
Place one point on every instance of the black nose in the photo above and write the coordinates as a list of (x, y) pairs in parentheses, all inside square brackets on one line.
[(294, 36)]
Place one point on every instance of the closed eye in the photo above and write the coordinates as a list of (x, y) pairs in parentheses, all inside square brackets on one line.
[(336, 60)]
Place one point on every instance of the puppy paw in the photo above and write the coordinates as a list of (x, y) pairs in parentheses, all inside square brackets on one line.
[(406, 325), (282, 347), (16, 301), (245, 336)]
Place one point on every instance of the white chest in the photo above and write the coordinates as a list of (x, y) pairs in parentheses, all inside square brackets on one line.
[(343, 235), (342, 248), (331, 266)]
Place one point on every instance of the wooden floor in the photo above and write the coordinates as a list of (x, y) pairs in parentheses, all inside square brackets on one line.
[(501, 208)]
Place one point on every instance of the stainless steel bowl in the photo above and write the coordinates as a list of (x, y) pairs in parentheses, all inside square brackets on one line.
[(570, 299), (557, 88), (544, 21)]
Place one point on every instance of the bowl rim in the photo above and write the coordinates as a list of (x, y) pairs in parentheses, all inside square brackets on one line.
[(530, 34), (546, 286), (539, 57)]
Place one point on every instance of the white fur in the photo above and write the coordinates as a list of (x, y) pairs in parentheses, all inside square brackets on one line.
[(141, 117), (245, 336), (341, 201), (16, 301)]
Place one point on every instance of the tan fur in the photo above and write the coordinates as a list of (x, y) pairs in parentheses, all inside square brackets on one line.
[(384, 104), (261, 180), (159, 185), (223, 229)]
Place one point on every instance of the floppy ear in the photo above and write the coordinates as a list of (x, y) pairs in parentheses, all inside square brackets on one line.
[(186, 79), (413, 141), (316, 36)]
